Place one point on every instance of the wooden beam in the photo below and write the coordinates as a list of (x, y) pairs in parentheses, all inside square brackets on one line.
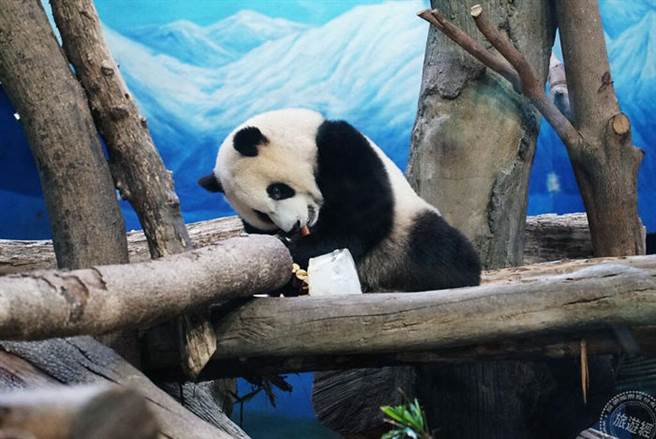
[(518, 316), (88, 411), (106, 298)]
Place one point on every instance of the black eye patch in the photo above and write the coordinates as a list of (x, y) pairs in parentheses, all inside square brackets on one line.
[(280, 191)]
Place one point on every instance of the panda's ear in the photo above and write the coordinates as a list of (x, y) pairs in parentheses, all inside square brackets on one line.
[(210, 183), (246, 141)]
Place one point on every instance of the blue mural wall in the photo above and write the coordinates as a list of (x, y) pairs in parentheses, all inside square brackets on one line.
[(198, 68)]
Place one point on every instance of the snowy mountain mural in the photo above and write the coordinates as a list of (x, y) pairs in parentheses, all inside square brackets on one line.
[(195, 80)]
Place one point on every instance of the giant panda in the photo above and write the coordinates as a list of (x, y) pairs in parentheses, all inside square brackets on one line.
[(286, 169)]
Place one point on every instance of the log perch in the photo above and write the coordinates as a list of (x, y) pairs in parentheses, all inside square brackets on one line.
[(526, 313), (548, 237), (79, 412), (101, 299)]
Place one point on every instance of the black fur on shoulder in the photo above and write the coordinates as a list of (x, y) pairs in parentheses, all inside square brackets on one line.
[(246, 141), (358, 207)]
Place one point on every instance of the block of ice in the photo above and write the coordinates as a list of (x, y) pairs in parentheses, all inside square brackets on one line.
[(333, 274)]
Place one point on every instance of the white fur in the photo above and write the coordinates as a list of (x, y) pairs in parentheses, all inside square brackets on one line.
[(289, 157)]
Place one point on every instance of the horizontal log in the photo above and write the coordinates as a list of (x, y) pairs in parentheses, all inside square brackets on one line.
[(25, 255), (519, 317), (548, 237), (45, 304), (91, 411), (551, 237)]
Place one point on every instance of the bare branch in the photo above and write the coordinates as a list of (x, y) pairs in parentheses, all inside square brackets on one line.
[(472, 46), (531, 87)]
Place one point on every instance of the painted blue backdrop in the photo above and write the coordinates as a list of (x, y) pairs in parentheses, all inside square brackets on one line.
[(197, 68)]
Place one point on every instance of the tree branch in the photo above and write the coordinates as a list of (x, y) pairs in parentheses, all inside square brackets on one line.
[(86, 223), (138, 170), (531, 87), (599, 144), (472, 46)]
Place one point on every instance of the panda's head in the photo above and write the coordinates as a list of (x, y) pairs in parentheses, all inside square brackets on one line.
[(266, 169)]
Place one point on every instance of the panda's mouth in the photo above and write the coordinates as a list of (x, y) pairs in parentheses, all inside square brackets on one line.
[(297, 229)]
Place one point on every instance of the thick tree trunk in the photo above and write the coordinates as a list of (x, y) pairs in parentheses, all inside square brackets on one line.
[(473, 146), (86, 223), (87, 226), (474, 138), (80, 412), (137, 168), (605, 162), (83, 360), (107, 298)]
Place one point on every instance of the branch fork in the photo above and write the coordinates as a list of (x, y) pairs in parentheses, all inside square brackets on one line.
[(513, 66)]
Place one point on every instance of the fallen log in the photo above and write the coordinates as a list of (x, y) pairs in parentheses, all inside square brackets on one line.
[(517, 318), (92, 411), (548, 237), (83, 360), (106, 298)]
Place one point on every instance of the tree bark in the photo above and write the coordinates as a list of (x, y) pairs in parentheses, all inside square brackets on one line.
[(87, 226), (96, 411), (524, 348), (83, 360), (107, 298), (457, 93), (593, 297), (605, 163)]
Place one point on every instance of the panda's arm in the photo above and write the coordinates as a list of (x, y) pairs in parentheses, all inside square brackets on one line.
[(316, 244)]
